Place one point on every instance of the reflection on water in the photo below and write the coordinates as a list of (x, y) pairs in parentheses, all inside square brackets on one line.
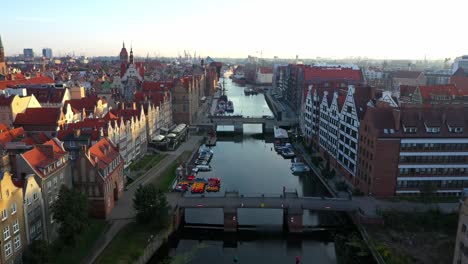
[(249, 164)]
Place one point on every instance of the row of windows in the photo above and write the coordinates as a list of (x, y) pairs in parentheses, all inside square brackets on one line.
[(435, 183), (433, 159), (434, 146), (346, 162), (13, 210), (17, 245), (6, 230), (433, 171)]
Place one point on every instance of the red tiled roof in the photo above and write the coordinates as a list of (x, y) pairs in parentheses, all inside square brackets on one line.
[(3, 127), (88, 103), (47, 95), (148, 86), (6, 101), (447, 90), (103, 153), (36, 80), (42, 155), (406, 74), (266, 70), (38, 116), (407, 90), (320, 74)]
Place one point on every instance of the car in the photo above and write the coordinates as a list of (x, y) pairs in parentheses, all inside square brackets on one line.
[(201, 162)]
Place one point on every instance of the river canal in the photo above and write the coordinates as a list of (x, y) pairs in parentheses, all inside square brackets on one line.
[(249, 164)]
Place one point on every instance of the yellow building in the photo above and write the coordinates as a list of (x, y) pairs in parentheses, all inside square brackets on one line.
[(13, 238)]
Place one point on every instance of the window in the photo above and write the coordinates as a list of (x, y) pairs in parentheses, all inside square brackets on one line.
[(35, 196), (4, 214), (17, 242), (13, 208), (55, 182), (49, 186), (15, 226), (6, 232), (8, 249)]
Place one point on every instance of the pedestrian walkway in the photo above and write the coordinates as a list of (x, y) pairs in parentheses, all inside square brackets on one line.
[(123, 211)]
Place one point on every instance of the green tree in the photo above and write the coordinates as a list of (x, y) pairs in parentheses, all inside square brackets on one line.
[(71, 212), (151, 206), (37, 253)]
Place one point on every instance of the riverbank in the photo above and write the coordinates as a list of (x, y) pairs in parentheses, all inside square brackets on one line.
[(425, 237), (123, 212)]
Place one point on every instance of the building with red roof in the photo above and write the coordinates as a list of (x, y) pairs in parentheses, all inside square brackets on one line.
[(41, 80), (264, 76), (49, 162), (47, 120), (404, 150), (50, 96), (100, 177), (11, 106)]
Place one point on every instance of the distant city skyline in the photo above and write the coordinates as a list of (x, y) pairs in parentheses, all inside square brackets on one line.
[(335, 29)]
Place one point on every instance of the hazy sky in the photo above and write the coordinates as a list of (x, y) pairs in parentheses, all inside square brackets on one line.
[(237, 28)]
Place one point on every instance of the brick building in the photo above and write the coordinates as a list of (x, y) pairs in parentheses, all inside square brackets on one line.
[(100, 176), (401, 152)]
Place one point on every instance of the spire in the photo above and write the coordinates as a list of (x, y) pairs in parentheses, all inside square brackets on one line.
[(123, 44)]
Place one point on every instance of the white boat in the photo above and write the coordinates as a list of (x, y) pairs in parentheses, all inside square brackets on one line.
[(300, 168), (203, 167), (288, 153)]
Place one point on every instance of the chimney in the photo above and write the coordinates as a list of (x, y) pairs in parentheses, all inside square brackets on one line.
[(134, 106), (122, 105), (396, 118), (48, 150)]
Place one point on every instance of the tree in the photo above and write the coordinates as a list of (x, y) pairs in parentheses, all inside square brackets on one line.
[(37, 253), (71, 212), (151, 206)]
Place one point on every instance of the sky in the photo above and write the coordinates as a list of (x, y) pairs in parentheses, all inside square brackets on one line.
[(382, 29)]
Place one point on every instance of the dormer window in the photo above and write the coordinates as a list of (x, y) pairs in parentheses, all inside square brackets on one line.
[(455, 129), (411, 130), (432, 129)]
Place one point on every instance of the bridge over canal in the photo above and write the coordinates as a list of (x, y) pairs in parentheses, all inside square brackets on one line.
[(237, 121), (292, 205)]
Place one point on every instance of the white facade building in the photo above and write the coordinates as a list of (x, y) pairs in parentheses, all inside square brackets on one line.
[(348, 133), (329, 124)]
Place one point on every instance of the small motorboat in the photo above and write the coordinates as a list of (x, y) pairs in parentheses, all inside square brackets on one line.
[(191, 177), (288, 153)]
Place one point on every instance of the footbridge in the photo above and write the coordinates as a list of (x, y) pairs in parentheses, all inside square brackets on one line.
[(292, 205), (237, 121)]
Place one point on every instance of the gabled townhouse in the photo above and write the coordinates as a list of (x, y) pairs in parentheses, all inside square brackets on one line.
[(12, 105), (410, 78), (329, 125), (127, 129), (91, 106), (47, 120), (13, 239), (354, 107), (100, 176), (50, 96), (50, 165), (34, 215)]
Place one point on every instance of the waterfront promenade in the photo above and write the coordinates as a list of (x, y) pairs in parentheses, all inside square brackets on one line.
[(123, 212)]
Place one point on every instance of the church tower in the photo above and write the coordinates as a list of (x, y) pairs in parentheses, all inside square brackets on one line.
[(123, 54), (131, 55), (2, 59)]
